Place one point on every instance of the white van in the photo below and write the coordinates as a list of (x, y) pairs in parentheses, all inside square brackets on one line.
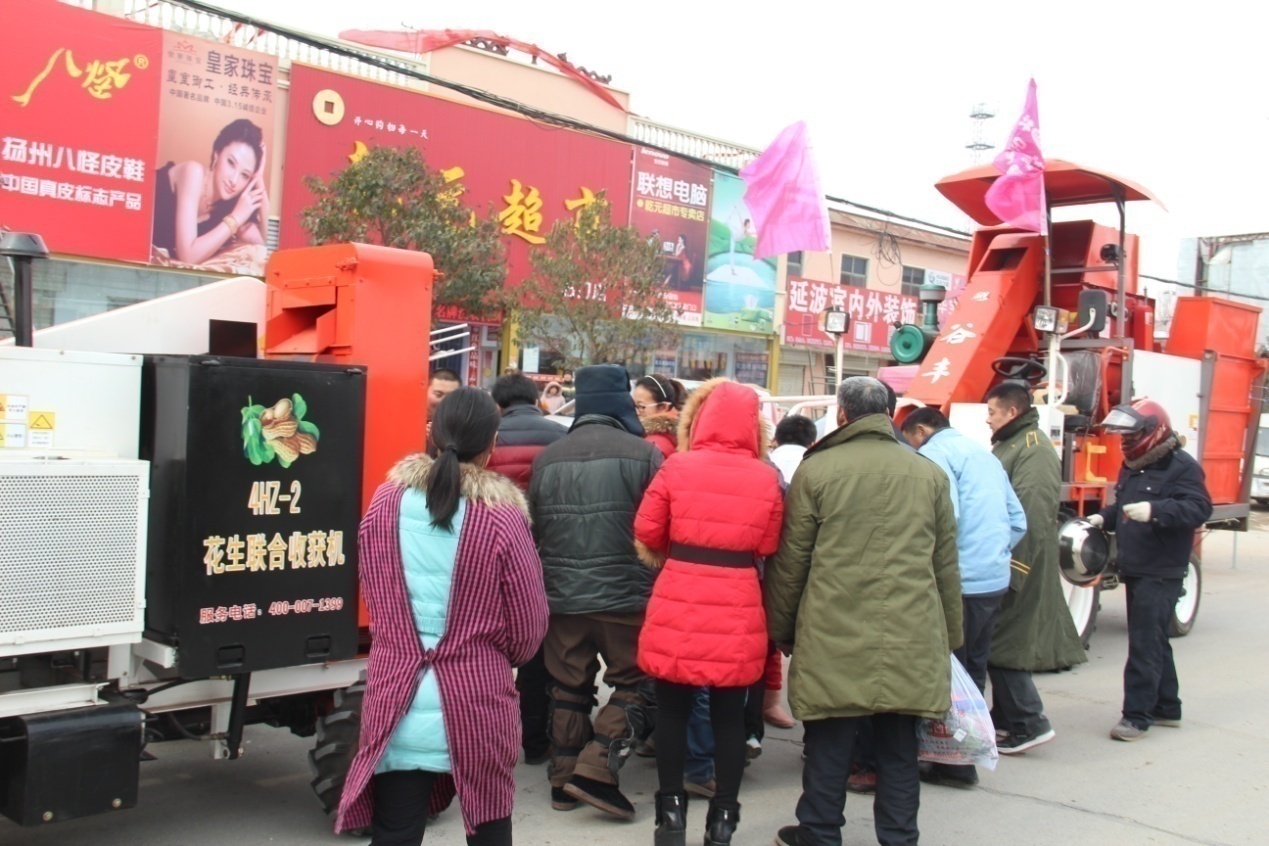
[(1260, 469)]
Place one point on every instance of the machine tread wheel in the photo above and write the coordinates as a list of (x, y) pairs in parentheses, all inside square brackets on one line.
[(1188, 605), (338, 734)]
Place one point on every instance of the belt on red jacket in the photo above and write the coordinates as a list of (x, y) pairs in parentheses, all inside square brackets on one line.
[(690, 554)]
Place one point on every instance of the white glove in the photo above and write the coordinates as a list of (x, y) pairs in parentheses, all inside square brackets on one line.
[(1096, 520), (1139, 511)]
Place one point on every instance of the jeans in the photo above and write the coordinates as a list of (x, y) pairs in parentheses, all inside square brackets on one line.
[(699, 766), (1016, 704), (1151, 688), (727, 718), (829, 747), (400, 815)]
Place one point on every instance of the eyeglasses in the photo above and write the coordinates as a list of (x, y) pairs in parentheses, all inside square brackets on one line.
[(642, 406)]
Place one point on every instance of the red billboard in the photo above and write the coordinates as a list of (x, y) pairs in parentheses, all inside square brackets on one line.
[(530, 174), (78, 121), (872, 314), (670, 205), (122, 141)]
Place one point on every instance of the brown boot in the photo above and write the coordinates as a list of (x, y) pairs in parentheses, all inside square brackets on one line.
[(773, 711)]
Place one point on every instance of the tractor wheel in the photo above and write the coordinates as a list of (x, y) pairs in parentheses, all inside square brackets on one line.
[(1187, 607), (338, 735)]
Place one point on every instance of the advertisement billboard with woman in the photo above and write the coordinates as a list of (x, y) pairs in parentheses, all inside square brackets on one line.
[(211, 176)]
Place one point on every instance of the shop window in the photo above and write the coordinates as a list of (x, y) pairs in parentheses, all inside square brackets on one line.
[(913, 279), (854, 271)]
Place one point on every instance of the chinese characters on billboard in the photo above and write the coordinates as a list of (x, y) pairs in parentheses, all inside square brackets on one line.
[(739, 289), (872, 315), (528, 175), (164, 160), (670, 202), (84, 184), (211, 202)]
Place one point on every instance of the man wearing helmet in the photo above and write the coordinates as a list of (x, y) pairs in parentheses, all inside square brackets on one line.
[(1160, 499)]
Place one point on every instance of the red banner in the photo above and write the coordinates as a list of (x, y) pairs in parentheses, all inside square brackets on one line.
[(872, 314), (531, 175), (670, 204), (78, 120)]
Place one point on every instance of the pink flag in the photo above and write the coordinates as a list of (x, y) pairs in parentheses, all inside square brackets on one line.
[(1017, 197), (784, 196)]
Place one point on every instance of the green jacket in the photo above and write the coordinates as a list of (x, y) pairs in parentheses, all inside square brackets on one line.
[(1034, 631), (865, 584)]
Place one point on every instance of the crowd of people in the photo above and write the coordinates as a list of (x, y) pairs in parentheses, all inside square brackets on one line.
[(670, 537)]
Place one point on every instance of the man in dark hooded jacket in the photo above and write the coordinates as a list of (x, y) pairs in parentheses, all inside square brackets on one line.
[(583, 496)]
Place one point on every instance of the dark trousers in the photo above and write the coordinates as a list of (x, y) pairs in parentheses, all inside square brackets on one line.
[(699, 764), (755, 726), (978, 614), (726, 717), (1151, 689), (829, 747), (400, 815), (572, 649), (1016, 704), (531, 683)]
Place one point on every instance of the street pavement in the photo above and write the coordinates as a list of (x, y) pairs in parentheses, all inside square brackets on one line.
[(1204, 783)]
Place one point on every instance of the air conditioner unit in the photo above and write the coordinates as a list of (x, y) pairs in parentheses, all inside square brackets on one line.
[(72, 553)]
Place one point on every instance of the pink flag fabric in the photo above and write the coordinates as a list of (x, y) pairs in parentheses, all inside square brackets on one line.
[(784, 196), (1017, 196)]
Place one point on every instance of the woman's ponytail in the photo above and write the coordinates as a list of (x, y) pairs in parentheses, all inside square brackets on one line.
[(465, 426)]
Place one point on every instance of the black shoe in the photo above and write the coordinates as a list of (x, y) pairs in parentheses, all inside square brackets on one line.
[(787, 836), (720, 824), (671, 819), (1016, 744), (537, 755), (962, 777), (561, 801), (605, 797)]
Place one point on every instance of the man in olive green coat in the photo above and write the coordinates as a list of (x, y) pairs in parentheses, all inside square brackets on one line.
[(1034, 632), (865, 590)]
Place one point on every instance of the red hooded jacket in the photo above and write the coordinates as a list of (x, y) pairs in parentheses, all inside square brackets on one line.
[(705, 625)]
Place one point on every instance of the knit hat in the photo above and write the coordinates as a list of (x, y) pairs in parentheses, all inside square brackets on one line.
[(605, 389)]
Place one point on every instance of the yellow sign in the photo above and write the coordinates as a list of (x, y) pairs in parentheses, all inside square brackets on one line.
[(41, 420)]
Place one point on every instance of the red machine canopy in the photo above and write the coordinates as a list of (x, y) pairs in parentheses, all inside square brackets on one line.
[(1065, 184)]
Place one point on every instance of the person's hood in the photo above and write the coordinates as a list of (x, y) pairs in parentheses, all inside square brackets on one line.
[(604, 390), (662, 424), (478, 484), (549, 385), (723, 415)]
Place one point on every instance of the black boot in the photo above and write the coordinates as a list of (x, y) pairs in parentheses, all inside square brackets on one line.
[(720, 824), (671, 819)]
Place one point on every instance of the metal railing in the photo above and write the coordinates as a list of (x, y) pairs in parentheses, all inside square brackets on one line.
[(177, 18), (690, 143)]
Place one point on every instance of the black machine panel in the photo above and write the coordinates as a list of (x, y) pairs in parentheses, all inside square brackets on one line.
[(255, 503)]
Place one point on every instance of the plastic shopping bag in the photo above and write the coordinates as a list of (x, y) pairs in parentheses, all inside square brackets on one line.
[(965, 734)]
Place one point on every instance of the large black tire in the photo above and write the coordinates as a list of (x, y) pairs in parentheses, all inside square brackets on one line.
[(1187, 607), (338, 735)]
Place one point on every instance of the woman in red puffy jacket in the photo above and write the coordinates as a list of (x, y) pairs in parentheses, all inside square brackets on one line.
[(711, 511)]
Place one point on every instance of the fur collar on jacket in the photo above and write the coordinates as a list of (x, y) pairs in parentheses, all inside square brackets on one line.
[(1155, 454), (662, 424), (478, 484), (687, 417)]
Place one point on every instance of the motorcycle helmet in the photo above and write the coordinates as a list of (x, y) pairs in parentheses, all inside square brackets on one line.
[(1143, 426)]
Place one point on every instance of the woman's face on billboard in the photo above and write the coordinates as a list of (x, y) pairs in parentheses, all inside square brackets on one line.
[(232, 169)]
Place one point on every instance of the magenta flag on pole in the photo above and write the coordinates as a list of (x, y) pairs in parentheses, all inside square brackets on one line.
[(784, 196), (1017, 196)]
